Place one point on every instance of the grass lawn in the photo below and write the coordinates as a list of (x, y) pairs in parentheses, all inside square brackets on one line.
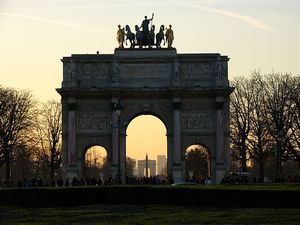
[(151, 214)]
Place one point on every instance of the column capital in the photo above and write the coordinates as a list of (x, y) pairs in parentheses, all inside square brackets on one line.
[(72, 106), (114, 99), (176, 105), (219, 105), (219, 102)]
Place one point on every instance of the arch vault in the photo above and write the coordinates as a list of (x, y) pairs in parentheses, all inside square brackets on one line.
[(188, 92)]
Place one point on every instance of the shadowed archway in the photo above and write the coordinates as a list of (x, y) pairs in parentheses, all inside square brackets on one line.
[(197, 164)]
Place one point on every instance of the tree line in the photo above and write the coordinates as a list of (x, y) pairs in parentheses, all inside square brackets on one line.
[(30, 136), (265, 121)]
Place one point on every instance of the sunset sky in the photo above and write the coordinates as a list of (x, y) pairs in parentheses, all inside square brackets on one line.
[(35, 34)]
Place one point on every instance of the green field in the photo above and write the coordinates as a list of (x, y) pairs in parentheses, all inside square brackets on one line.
[(153, 214)]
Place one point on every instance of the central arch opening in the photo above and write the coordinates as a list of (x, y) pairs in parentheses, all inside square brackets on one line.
[(146, 149)]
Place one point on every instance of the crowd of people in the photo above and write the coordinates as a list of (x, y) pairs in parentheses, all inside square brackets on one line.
[(133, 180), (152, 180), (90, 181)]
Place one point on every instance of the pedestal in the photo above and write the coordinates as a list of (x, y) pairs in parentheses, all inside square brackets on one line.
[(219, 173), (177, 174), (71, 172)]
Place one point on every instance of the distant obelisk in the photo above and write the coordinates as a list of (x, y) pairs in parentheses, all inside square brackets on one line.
[(146, 165)]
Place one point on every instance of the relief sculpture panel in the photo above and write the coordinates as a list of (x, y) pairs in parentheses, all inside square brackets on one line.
[(93, 121), (93, 107), (93, 70), (201, 120), (197, 70)]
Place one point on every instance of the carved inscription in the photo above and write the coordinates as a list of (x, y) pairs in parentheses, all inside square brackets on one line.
[(203, 120), (93, 121)]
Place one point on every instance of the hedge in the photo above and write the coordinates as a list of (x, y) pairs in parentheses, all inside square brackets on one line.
[(142, 195)]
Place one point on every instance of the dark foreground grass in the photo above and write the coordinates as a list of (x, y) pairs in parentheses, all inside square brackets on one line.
[(151, 214)]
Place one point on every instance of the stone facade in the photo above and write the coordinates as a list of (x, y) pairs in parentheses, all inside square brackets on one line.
[(189, 93)]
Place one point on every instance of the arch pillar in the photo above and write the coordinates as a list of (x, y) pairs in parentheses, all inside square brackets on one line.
[(219, 163), (123, 155), (72, 169), (115, 141), (177, 168)]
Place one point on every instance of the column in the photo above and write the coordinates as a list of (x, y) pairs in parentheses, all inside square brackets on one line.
[(71, 134), (72, 170), (176, 132), (177, 170), (115, 141), (123, 154), (220, 130), (220, 166)]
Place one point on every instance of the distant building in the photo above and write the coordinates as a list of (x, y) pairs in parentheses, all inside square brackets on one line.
[(145, 165), (135, 171), (161, 163)]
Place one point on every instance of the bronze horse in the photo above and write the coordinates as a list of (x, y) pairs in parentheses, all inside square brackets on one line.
[(160, 36), (130, 36)]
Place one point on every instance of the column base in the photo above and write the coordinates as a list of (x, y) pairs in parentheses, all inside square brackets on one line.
[(71, 172), (177, 173), (219, 173), (114, 171)]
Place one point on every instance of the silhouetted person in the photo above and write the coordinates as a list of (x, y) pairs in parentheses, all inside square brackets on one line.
[(60, 182), (67, 182)]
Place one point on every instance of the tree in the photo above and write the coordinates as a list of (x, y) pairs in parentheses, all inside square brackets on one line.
[(16, 118), (295, 128), (280, 108), (265, 119), (96, 163), (130, 166), (240, 112), (260, 141), (196, 162), (49, 131), (23, 161)]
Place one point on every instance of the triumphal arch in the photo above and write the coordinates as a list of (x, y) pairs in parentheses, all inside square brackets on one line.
[(102, 93), (188, 92)]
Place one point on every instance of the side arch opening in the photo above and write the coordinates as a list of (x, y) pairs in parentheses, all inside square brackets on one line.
[(96, 166), (198, 164)]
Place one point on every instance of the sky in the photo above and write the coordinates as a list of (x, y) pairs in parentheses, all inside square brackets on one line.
[(35, 34)]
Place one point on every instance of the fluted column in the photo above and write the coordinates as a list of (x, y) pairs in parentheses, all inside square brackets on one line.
[(177, 170), (72, 134), (176, 132), (73, 166), (220, 130), (115, 137), (220, 167), (115, 140)]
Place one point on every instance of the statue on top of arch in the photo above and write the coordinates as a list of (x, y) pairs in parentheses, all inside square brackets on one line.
[(145, 37)]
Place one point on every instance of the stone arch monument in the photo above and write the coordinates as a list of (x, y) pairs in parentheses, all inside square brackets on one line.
[(188, 92)]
